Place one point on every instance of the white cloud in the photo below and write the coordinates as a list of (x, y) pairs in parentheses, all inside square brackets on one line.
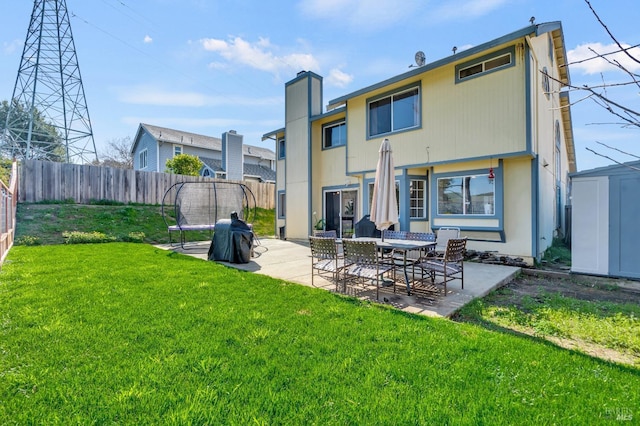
[(260, 55), (193, 123), (465, 9), (11, 46), (149, 95), (338, 78), (158, 96), (360, 14), (584, 53), (148, 39)]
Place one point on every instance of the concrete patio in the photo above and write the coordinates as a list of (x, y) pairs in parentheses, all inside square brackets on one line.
[(291, 261)]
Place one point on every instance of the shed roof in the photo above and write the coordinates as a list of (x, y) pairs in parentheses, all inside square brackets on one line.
[(614, 169)]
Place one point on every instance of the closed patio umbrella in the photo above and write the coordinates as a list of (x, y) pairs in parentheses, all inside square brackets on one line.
[(384, 207)]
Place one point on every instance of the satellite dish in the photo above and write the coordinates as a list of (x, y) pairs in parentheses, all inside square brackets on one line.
[(420, 58)]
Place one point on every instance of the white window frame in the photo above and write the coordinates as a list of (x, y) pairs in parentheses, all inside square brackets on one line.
[(282, 149), (417, 108), (338, 124), (177, 150), (486, 64), (143, 160), (465, 207), (417, 197)]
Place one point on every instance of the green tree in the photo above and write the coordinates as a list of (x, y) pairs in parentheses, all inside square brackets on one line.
[(46, 141), (184, 164), (5, 170)]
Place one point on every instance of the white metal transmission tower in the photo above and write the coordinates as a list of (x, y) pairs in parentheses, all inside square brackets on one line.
[(48, 117)]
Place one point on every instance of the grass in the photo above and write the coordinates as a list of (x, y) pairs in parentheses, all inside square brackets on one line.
[(552, 315), (46, 223), (130, 334), (558, 253)]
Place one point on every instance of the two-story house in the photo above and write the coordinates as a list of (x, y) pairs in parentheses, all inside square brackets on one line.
[(482, 140), (226, 158)]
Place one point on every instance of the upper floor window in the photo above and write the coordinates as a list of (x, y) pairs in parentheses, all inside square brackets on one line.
[(466, 195), (546, 85), (557, 157), (142, 159), (334, 134), (391, 113), (177, 150), (489, 63), (281, 149)]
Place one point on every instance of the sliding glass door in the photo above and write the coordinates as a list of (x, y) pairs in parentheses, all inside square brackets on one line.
[(340, 211)]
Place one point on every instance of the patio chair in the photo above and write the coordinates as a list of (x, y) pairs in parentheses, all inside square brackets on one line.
[(394, 235), (363, 263), (443, 235), (326, 234), (325, 260), (450, 266), (416, 255)]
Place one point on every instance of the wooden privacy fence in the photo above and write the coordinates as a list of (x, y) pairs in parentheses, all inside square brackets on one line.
[(8, 203), (82, 183)]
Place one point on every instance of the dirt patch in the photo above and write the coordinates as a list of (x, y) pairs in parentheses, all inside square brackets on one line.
[(581, 287), (535, 284)]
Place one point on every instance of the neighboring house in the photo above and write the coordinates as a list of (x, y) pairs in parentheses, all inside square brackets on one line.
[(482, 140), (605, 230), (226, 157)]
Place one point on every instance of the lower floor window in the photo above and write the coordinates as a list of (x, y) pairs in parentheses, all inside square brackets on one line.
[(466, 195), (417, 199), (281, 204), (397, 195)]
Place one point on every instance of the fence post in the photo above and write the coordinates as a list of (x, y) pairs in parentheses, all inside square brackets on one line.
[(8, 206)]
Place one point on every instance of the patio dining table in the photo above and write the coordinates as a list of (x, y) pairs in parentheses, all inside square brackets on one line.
[(403, 246)]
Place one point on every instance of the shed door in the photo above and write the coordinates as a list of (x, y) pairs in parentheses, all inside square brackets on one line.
[(624, 252)]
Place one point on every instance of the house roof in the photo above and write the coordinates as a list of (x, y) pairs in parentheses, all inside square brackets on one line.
[(250, 170), (554, 27), (165, 134), (272, 134)]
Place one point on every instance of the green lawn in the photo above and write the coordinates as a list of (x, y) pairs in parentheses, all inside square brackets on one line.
[(46, 223), (130, 334)]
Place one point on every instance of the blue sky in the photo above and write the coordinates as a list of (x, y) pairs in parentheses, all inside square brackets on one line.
[(209, 66)]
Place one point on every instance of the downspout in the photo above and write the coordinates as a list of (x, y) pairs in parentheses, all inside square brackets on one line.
[(275, 187), (531, 108), (309, 157)]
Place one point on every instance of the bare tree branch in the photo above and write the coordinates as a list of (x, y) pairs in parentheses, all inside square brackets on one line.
[(619, 150), (618, 65), (609, 158), (118, 154), (598, 95), (600, 55), (610, 34)]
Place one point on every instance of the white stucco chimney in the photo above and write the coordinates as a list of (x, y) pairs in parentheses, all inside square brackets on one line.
[(232, 157)]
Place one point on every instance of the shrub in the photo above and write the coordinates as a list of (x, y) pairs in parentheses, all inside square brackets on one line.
[(28, 240), (76, 237), (184, 164), (134, 237), (558, 252), (5, 170), (104, 202)]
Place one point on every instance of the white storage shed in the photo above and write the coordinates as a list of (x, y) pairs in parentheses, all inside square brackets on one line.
[(605, 221)]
